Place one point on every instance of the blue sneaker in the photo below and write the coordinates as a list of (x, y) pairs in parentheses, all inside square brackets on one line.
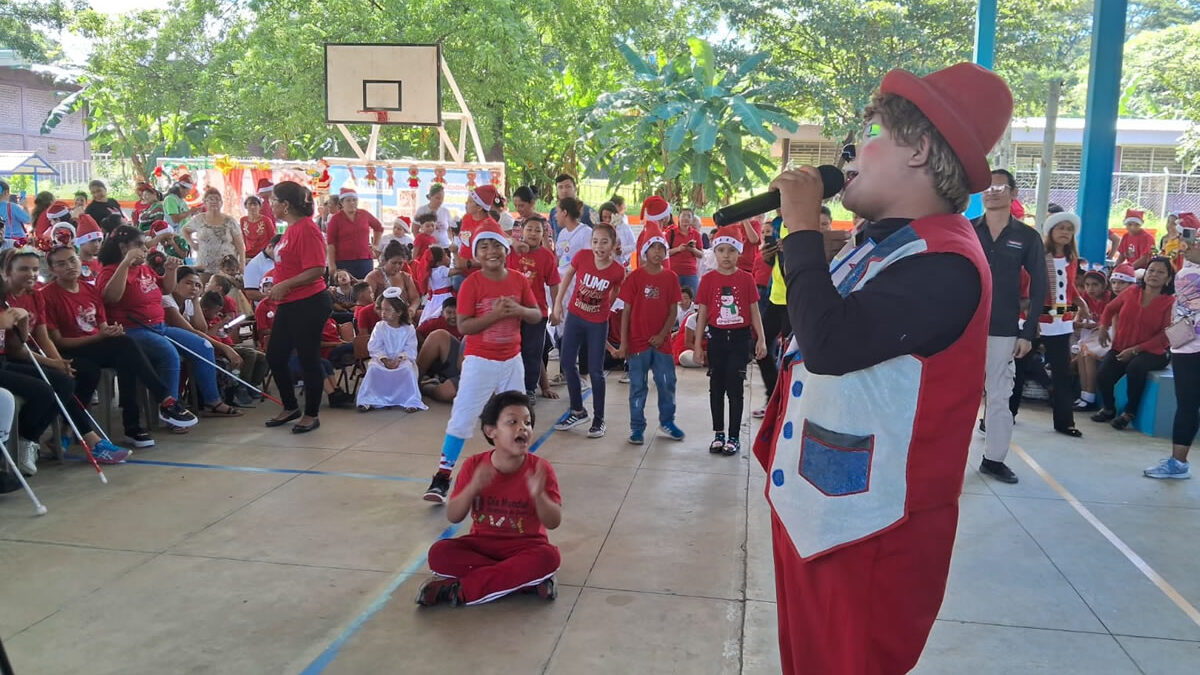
[(671, 430), (636, 437), (107, 453), (1169, 468)]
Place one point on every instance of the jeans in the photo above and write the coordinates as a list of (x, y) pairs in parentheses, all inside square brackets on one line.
[(576, 331), (533, 342), (298, 326), (359, 269), (1135, 371), (165, 359), (663, 367), (1187, 398), (691, 281)]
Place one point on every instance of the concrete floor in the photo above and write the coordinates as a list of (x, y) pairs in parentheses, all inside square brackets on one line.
[(229, 568)]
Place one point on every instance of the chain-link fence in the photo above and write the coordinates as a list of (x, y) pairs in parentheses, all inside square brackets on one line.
[(1156, 193)]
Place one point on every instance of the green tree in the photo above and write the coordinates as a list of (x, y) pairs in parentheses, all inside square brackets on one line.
[(688, 122), (25, 23)]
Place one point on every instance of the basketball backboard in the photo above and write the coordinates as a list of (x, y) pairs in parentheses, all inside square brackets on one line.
[(383, 84)]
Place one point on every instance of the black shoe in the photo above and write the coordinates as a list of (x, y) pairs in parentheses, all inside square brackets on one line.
[(278, 422), (305, 428), (998, 470), (1104, 415), (176, 415), (340, 399), (242, 398), (1070, 431), (1121, 422), (139, 438), (438, 489)]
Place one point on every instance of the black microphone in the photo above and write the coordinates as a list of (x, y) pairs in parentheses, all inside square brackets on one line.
[(831, 176)]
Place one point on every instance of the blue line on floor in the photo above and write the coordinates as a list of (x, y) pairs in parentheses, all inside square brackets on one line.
[(319, 664), (258, 469)]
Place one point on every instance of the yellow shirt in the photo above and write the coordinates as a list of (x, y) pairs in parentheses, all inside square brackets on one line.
[(778, 289)]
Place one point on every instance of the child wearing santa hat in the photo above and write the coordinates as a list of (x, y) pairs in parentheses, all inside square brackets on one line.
[(651, 296), (727, 303), (1137, 246), (88, 237), (480, 204), (491, 307)]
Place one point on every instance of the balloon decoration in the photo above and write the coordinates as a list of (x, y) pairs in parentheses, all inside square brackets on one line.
[(414, 179)]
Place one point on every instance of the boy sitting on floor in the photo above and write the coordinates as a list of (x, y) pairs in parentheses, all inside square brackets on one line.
[(512, 497)]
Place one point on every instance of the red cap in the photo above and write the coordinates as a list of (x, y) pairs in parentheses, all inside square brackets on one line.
[(88, 230), (969, 105), (1135, 216)]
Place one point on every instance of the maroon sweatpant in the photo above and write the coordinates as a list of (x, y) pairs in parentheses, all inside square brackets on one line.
[(492, 567)]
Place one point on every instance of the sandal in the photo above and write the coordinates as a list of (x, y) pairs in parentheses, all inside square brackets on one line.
[(364, 408), (1121, 422), (718, 445), (1071, 431), (221, 409)]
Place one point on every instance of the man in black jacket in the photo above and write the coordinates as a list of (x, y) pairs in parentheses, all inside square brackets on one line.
[(1010, 246)]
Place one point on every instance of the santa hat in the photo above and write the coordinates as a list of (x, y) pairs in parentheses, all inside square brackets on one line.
[(485, 196), (347, 192), (654, 235), (728, 235), (265, 186), (1055, 219), (1188, 219), (143, 186), (67, 231), (1124, 272), (1135, 216), (268, 278), (655, 208), (186, 181), (160, 226), (1017, 209), (403, 221), (58, 211), (489, 229), (88, 230), (950, 98)]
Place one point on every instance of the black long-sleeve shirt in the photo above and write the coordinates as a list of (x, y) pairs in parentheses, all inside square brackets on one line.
[(918, 305), (1018, 246)]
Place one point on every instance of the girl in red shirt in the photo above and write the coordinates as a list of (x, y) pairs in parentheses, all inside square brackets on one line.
[(540, 267), (257, 228), (597, 276), (727, 310), (1143, 313), (79, 328), (304, 306)]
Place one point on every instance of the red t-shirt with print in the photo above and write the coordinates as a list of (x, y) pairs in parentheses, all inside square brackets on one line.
[(500, 341), (264, 318), (89, 270), (73, 315), (142, 299), (684, 263), (302, 247), (32, 303), (1135, 246), (648, 298), (504, 507), (728, 298), (540, 269), (257, 234), (595, 289), (351, 239)]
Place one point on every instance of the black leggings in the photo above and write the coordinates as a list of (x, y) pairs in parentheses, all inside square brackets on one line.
[(1187, 398), (38, 409), (1135, 371), (1059, 384), (122, 354), (728, 354), (21, 373), (533, 342), (776, 324), (298, 326)]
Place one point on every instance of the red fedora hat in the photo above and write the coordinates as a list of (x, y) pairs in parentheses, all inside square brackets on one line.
[(969, 105)]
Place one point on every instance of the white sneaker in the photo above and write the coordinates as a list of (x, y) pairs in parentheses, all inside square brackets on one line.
[(624, 379), (1169, 468), (27, 456)]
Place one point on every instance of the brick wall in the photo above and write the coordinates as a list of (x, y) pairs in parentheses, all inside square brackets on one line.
[(25, 99)]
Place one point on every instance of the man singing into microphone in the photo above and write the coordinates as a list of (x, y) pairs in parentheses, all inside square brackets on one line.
[(866, 436)]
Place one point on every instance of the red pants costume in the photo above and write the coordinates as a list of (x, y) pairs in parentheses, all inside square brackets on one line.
[(898, 576), (492, 567)]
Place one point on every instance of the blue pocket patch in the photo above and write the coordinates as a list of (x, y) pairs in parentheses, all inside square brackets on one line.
[(836, 464)]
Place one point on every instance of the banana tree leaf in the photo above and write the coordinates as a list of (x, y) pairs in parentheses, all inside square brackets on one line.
[(705, 134), (752, 62), (699, 170), (674, 167), (677, 134), (641, 69), (65, 108), (750, 119), (780, 120), (734, 163), (702, 53)]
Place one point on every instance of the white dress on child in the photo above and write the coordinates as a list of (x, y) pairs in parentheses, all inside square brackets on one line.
[(383, 387), (439, 290)]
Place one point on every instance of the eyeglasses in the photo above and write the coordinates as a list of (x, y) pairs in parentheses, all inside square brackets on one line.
[(849, 152), (995, 188)]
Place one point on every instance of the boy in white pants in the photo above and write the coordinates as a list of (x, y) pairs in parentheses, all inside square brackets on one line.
[(492, 303)]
